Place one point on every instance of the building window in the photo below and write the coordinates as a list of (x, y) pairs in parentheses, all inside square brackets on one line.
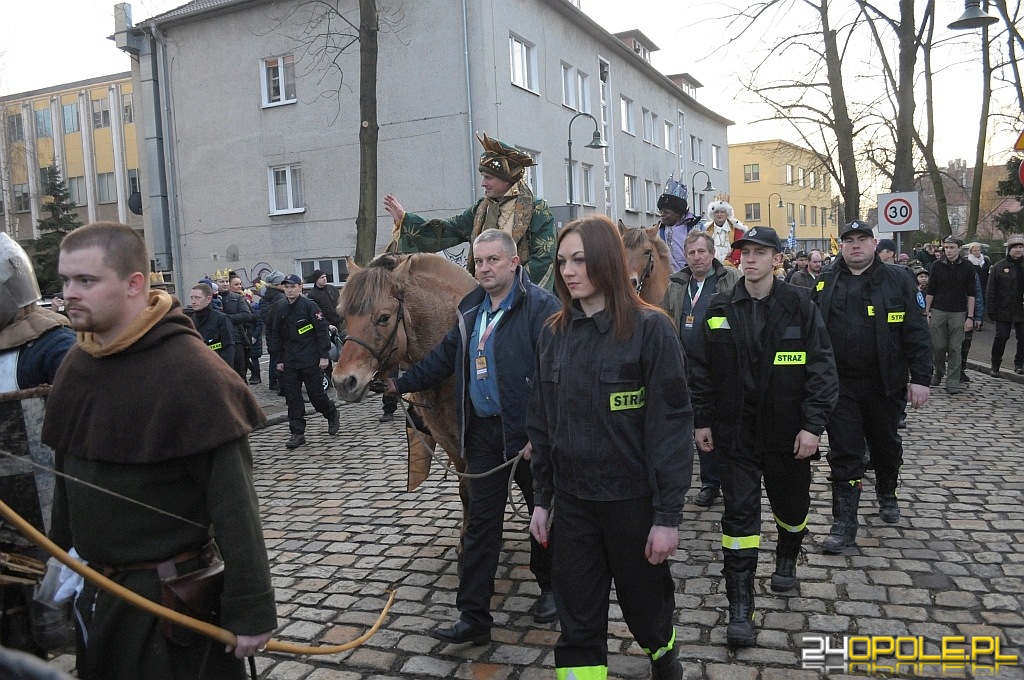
[(71, 122), (790, 212), (696, 149), (22, 204), (128, 108), (752, 172), (587, 184), (531, 175), (814, 216), (76, 190), (43, 172), (286, 190), (524, 63), (133, 182), (823, 216), (789, 174), (650, 125), (101, 113), (332, 268), (630, 191), (803, 214), (651, 194), (583, 92), (15, 129), (278, 83), (800, 176), (628, 111), (106, 188), (752, 212), (716, 157), (670, 137), (44, 123), (568, 86)]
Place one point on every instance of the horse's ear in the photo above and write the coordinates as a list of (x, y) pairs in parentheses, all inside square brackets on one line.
[(352, 266), (622, 228), (652, 232)]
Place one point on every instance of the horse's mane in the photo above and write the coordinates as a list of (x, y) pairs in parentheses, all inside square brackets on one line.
[(637, 237), (366, 286)]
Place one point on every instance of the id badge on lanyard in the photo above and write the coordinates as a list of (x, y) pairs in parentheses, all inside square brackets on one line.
[(485, 332), (690, 318)]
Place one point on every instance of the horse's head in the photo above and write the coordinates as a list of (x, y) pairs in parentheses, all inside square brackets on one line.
[(647, 260), (375, 338)]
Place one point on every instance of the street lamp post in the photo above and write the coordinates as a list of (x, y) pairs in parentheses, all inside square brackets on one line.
[(595, 143), (708, 189), (774, 193)]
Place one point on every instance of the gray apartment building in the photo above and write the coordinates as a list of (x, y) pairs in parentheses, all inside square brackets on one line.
[(249, 150)]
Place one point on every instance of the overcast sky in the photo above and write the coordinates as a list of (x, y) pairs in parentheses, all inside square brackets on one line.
[(76, 48)]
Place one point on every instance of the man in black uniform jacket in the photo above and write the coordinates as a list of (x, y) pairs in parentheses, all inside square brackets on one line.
[(300, 339), (214, 326)]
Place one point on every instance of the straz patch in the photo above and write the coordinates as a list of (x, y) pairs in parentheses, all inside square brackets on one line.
[(216, 346), (624, 401), (305, 329), (790, 358), (896, 317)]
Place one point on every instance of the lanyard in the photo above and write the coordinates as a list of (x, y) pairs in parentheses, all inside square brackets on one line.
[(485, 332), (695, 295)]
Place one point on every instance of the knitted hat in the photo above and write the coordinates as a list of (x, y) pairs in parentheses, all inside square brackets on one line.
[(275, 278), (501, 160), (885, 244), (312, 278)]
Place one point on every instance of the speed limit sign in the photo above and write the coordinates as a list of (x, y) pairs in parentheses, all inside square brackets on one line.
[(898, 212)]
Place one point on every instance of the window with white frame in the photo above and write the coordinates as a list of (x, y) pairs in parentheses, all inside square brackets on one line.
[(752, 212), (133, 181), (630, 189), (824, 215), (568, 86), (716, 157), (627, 113), (814, 216), (650, 125), (22, 203), (331, 267), (650, 196), (812, 180), (790, 212), (586, 184), (71, 122), (76, 190), (106, 188), (128, 108), (15, 129), (286, 189), (789, 174), (800, 176), (44, 124), (101, 113), (803, 214), (752, 172), (531, 175), (582, 91), (278, 80), (670, 137), (524, 63), (681, 149), (696, 149)]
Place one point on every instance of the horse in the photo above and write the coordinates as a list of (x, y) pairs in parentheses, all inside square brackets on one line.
[(648, 262), (396, 310)]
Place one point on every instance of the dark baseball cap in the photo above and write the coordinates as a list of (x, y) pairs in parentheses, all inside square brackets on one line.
[(801, 253), (293, 278), (857, 226), (762, 236), (953, 239)]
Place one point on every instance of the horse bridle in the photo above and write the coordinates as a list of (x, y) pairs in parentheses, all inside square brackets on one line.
[(647, 271), (384, 356)]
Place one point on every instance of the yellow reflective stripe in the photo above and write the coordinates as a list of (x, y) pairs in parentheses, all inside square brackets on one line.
[(623, 401), (664, 650), (854, 482), (871, 310), (740, 542), (582, 673), (820, 286), (790, 358), (718, 322), (216, 346), (896, 317), (791, 529), (305, 329)]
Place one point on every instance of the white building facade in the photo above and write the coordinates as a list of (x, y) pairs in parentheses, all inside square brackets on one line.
[(250, 152)]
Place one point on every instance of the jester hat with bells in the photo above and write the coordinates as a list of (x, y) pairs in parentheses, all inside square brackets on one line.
[(501, 160)]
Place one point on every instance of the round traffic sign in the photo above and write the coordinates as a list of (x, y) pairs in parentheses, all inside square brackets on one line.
[(898, 211)]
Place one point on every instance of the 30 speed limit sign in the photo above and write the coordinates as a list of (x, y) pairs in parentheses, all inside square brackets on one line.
[(898, 212)]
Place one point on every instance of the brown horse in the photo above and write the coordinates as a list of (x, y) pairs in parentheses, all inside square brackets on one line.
[(648, 262), (396, 310)]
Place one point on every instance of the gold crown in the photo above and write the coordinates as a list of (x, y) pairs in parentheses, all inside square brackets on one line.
[(221, 274)]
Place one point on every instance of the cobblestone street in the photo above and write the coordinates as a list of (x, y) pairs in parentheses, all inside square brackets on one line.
[(341, 529)]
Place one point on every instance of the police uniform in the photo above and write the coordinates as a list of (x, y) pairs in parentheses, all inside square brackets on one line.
[(611, 428), (238, 311), (879, 334), (217, 332), (300, 338)]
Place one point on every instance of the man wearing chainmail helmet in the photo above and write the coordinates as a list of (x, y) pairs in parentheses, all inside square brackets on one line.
[(508, 204)]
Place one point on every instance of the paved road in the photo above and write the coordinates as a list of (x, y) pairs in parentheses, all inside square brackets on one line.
[(341, 529)]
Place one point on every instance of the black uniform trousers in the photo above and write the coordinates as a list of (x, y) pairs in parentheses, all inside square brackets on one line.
[(292, 380), (595, 542), (865, 415), (488, 498), (787, 482)]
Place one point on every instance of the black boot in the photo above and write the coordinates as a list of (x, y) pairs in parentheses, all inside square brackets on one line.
[(845, 499), (784, 577), (994, 371), (667, 667), (739, 587), (888, 507)]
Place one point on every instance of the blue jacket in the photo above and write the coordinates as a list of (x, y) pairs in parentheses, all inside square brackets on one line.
[(515, 343)]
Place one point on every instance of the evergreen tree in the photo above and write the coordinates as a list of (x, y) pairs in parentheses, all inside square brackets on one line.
[(61, 221), (1011, 222)]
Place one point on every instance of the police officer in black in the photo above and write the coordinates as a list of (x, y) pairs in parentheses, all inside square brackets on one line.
[(214, 326), (301, 341), (879, 333), (763, 382)]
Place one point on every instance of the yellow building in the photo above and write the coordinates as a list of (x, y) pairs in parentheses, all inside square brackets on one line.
[(763, 175), (86, 129)]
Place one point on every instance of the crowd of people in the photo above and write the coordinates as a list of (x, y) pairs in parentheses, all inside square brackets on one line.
[(752, 357)]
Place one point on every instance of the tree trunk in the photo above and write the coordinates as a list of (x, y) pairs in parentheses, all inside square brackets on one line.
[(850, 184), (366, 218), (927, 145), (979, 156), (903, 171)]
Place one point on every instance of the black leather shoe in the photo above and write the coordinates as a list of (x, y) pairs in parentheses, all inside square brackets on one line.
[(461, 633), (544, 610), (386, 417), (254, 381), (334, 423), (706, 497), (295, 441), (964, 378)]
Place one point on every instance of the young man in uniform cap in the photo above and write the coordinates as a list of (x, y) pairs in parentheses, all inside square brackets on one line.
[(764, 383), (949, 306), (1005, 298), (508, 204)]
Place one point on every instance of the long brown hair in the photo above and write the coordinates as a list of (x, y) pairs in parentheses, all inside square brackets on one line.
[(606, 268)]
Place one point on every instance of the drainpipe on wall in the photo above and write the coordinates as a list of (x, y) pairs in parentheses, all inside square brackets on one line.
[(469, 104), (170, 167)]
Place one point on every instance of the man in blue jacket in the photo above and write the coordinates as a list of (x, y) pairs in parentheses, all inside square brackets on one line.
[(490, 350)]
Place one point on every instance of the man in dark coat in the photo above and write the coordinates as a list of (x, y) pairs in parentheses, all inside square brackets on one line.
[(1005, 300), (215, 327)]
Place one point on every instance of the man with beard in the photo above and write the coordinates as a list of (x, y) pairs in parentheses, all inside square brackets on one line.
[(809, 278)]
